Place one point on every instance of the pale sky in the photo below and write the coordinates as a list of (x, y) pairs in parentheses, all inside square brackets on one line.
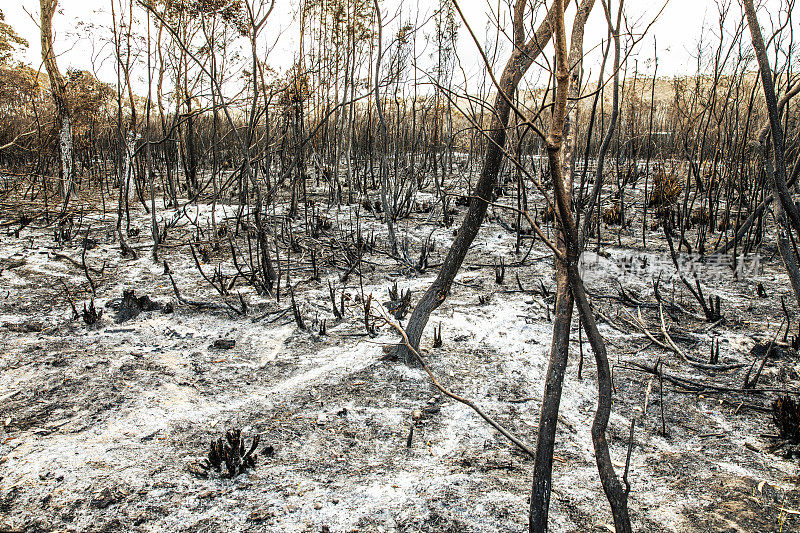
[(79, 26)]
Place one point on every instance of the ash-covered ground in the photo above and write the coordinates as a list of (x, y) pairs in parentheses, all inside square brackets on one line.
[(102, 426)]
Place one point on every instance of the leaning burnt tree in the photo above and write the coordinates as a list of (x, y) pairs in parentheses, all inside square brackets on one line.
[(521, 59), (786, 212), (58, 87)]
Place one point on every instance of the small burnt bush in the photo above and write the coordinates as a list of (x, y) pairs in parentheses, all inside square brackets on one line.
[(229, 456), (666, 189), (786, 415), (612, 216)]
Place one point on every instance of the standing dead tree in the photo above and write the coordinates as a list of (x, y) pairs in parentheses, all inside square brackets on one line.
[(58, 87), (560, 143), (384, 170), (787, 214)]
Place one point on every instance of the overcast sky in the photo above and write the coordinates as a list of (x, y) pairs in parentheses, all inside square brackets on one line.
[(677, 30)]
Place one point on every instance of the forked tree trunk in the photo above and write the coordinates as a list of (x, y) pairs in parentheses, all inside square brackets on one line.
[(58, 87), (616, 494), (562, 321), (521, 59)]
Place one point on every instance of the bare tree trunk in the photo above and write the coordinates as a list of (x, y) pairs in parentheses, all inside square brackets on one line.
[(388, 212), (58, 87), (148, 151), (615, 493), (559, 348), (785, 205)]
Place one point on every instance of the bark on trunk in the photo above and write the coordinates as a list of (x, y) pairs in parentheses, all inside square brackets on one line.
[(58, 87), (616, 494), (787, 215), (559, 348)]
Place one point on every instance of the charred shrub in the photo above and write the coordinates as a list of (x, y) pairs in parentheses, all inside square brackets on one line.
[(612, 216), (130, 306), (91, 315), (229, 456), (700, 217), (666, 189), (548, 215), (399, 302), (786, 415)]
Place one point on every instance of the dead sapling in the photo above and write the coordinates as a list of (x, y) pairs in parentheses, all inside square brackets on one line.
[(75, 313), (788, 318), (323, 328), (543, 290), (336, 312), (92, 285), (229, 456), (399, 302), (320, 224), (422, 262), (24, 221), (219, 278), (91, 315), (500, 272), (124, 249), (298, 318), (764, 351), (181, 299), (712, 308), (219, 286), (714, 356), (437, 336), (369, 325), (625, 297), (314, 267)]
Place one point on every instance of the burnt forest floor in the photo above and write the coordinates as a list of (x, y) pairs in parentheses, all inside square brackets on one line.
[(101, 426)]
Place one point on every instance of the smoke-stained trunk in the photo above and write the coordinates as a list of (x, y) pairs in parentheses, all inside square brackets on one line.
[(616, 494), (58, 87), (787, 215), (561, 154)]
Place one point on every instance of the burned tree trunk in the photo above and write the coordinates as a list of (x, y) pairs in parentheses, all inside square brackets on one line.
[(558, 151), (521, 59), (787, 215), (388, 211), (561, 156), (58, 87)]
